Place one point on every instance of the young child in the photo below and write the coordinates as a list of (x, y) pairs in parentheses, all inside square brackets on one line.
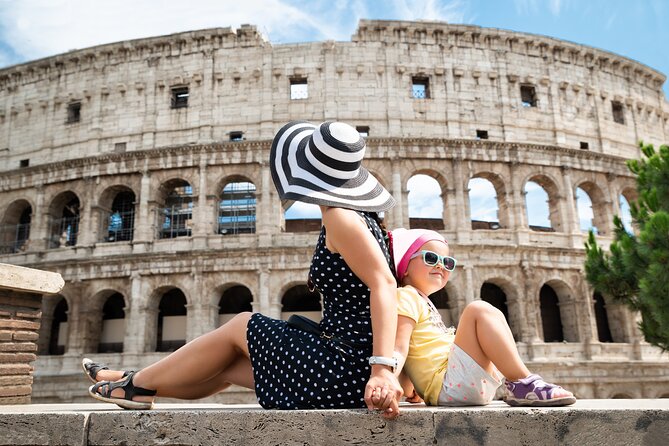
[(448, 368)]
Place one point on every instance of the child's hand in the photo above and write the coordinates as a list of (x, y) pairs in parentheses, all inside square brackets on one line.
[(415, 398)]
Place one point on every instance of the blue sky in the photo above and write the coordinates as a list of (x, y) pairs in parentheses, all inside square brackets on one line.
[(32, 29)]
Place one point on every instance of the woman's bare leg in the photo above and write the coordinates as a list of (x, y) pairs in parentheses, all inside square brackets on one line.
[(183, 372), (484, 334), (240, 373)]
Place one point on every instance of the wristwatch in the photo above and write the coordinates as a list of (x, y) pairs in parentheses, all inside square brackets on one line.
[(383, 360)]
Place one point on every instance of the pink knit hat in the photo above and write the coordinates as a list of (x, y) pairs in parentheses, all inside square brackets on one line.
[(406, 242)]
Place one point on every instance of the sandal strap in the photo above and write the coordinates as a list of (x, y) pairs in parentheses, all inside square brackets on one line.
[(93, 368), (129, 389)]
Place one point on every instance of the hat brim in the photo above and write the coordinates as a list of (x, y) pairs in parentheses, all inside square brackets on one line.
[(298, 178)]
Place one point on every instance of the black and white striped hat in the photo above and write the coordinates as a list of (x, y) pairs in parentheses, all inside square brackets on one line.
[(322, 165)]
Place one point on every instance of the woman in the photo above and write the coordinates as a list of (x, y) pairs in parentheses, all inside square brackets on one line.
[(350, 364)]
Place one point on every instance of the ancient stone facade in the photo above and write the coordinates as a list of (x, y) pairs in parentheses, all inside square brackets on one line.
[(138, 171)]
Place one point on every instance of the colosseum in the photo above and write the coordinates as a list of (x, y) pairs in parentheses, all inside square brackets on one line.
[(139, 171)]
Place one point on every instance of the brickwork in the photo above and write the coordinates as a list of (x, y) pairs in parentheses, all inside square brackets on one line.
[(19, 326), (129, 138)]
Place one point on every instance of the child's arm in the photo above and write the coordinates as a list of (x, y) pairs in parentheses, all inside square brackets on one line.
[(409, 391)]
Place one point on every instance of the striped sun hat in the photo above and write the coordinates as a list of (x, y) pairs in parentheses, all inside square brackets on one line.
[(322, 165)]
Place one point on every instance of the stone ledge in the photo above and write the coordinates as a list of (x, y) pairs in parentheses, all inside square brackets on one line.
[(589, 422)]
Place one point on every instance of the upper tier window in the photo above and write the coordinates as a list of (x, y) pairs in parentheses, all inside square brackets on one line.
[(179, 97), (420, 87)]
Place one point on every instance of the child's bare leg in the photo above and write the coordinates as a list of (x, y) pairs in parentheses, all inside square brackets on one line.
[(183, 372), (485, 336)]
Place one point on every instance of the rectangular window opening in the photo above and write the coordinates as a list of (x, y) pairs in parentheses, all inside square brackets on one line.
[(584, 145), (481, 134), (420, 87), (73, 112), (179, 97), (299, 89), (237, 136), (528, 96), (618, 112), (363, 130), (24, 163)]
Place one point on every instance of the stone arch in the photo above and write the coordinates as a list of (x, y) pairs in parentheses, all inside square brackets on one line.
[(549, 186), (116, 213), (64, 215), (15, 226), (625, 197), (237, 206), (485, 218), (426, 200), (168, 316), (551, 322), (297, 299), (599, 204), (601, 318), (113, 323), (59, 332), (175, 209), (302, 217), (501, 294), (234, 299), (566, 309)]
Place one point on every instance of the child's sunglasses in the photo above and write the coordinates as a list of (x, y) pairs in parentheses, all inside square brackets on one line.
[(431, 258)]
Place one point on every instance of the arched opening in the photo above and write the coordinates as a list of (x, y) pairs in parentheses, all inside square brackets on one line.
[(593, 210), (15, 228), (602, 319), (426, 207), (237, 208), (64, 213), (299, 300), (234, 300), (171, 321), (625, 213), (496, 297), (177, 210), (551, 320), (442, 304), (537, 208), (59, 328), (121, 218), (113, 325), (483, 205), (585, 214), (303, 217)]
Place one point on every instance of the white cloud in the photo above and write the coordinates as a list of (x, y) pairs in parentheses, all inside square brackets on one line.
[(424, 197), (40, 28), (452, 11), (482, 200)]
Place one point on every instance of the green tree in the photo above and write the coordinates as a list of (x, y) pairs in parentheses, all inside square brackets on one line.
[(636, 268)]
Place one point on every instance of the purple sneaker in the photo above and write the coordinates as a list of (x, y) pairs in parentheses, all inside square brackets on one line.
[(534, 391)]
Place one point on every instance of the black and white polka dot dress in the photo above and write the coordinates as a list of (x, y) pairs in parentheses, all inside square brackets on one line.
[(294, 369)]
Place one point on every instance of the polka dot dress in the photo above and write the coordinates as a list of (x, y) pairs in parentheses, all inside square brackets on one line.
[(297, 370)]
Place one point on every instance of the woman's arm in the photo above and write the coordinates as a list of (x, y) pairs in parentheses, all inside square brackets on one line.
[(347, 234)]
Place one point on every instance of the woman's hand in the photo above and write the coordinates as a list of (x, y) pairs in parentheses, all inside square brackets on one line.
[(383, 392)]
